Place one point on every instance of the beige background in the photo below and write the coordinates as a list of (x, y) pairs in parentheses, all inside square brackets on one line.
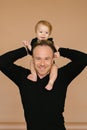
[(17, 21)]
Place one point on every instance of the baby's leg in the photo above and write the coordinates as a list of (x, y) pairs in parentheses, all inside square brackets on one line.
[(33, 75), (53, 76)]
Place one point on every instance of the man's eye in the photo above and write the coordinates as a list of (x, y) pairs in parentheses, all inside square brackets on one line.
[(47, 58), (38, 58)]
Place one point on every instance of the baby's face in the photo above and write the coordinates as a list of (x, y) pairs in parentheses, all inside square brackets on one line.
[(42, 32)]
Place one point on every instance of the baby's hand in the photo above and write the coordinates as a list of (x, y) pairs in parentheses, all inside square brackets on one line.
[(27, 44), (57, 47), (56, 55)]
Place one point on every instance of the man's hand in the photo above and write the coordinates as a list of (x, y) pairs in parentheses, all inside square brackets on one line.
[(27, 44)]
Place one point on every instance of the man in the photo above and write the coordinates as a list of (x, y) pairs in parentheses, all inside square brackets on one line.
[(43, 108)]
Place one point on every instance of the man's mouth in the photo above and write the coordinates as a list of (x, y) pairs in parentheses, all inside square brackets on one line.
[(42, 68)]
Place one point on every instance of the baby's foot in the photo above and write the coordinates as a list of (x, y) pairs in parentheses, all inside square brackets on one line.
[(32, 77), (49, 86)]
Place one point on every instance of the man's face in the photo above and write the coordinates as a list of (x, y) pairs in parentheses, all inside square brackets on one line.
[(43, 60)]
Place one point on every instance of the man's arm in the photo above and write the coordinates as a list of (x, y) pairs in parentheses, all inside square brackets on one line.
[(73, 55), (75, 66), (10, 57), (12, 71)]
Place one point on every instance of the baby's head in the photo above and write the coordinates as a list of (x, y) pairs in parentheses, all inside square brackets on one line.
[(43, 30)]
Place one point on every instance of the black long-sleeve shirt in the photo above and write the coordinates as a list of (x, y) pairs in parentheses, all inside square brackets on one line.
[(43, 108)]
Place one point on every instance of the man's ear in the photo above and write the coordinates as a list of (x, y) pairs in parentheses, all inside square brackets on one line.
[(53, 61)]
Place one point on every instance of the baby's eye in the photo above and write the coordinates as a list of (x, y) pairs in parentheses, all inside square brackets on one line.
[(40, 31), (46, 32)]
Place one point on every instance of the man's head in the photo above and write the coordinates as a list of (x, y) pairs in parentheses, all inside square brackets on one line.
[(43, 56)]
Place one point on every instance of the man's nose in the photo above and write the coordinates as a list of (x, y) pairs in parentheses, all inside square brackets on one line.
[(42, 62)]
